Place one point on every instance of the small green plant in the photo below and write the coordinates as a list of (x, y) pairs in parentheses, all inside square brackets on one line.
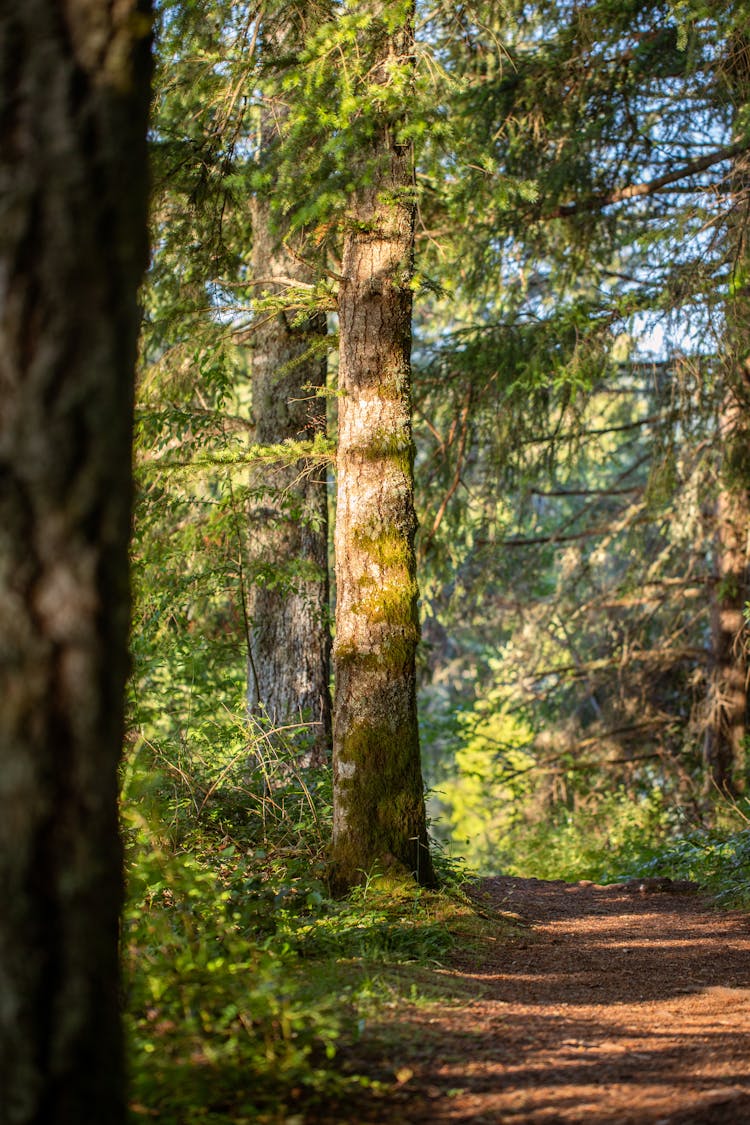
[(218, 1028), (718, 858)]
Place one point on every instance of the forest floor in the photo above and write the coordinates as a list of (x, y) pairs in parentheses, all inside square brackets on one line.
[(609, 1004)]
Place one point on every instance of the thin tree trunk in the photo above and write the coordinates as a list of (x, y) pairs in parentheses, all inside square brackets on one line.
[(73, 107), (289, 662), (379, 814), (728, 697), (727, 711), (289, 665)]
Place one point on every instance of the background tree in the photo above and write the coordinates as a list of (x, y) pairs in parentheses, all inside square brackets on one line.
[(231, 418), (289, 663), (74, 92), (728, 697)]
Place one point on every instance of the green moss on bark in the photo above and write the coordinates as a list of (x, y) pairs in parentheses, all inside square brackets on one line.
[(383, 798), (396, 448), (388, 547)]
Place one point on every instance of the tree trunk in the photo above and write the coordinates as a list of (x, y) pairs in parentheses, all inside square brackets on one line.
[(725, 730), (379, 814), (728, 699), (73, 188), (289, 662)]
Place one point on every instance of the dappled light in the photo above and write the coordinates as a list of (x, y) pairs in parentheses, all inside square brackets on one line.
[(375, 562), (618, 1006)]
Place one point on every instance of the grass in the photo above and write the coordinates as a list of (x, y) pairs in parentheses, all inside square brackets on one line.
[(251, 992)]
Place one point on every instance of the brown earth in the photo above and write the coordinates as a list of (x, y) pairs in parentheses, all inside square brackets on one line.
[(615, 1004)]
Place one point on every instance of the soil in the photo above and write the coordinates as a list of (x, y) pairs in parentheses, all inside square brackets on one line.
[(626, 1004)]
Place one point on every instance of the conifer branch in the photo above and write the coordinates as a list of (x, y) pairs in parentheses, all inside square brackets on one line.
[(665, 657), (464, 424), (578, 434), (651, 187), (586, 491), (539, 540)]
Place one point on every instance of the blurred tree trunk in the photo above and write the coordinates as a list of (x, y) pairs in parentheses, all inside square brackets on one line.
[(379, 814), (73, 188), (289, 662)]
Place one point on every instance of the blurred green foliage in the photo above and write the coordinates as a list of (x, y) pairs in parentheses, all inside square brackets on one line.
[(716, 857)]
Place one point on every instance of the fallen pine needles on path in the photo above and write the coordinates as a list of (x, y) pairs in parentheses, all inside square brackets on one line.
[(627, 1004)]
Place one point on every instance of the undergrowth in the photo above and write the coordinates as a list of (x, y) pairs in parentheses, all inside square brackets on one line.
[(716, 857), (620, 837), (594, 840), (245, 979)]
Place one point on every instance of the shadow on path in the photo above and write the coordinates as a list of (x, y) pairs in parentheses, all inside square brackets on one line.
[(613, 1007)]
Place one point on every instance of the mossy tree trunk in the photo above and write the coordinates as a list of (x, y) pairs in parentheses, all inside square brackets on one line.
[(379, 812), (290, 646), (73, 187)]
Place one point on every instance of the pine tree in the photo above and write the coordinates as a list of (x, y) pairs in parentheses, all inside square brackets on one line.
[(379, 814), (289, 658)]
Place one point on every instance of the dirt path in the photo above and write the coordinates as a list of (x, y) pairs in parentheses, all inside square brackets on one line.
[(619, 1006)]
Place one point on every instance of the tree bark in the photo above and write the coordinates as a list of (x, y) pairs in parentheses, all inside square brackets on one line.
[(727, 700), (289, 665), (724, 746), (289, 662), (379, 813), (73, 186)]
